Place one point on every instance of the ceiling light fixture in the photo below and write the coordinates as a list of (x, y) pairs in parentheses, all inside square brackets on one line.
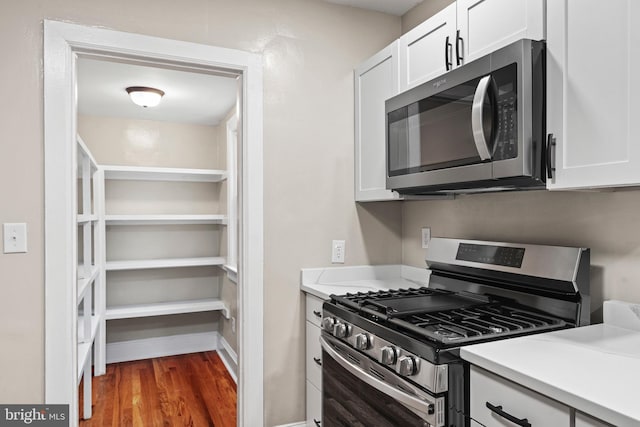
[(145, 96)]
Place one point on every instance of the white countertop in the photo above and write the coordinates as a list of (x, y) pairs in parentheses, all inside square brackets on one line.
[(595, 369), (322, 282)]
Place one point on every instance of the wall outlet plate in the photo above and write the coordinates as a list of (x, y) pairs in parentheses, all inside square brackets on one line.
[(426, 237), (337, 252)]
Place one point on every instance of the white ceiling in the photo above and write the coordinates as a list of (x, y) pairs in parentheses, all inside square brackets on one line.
[(190, 97), (393, 7)]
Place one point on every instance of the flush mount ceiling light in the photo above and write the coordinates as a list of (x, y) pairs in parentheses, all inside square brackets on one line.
[(145, 96)]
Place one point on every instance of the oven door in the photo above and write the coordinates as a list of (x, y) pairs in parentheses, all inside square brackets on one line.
[(358, 391)]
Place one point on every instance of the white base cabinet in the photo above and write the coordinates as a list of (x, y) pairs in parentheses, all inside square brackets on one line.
[(498, 402), (314, 406), (314, 361), (495, 399), (592, 68)]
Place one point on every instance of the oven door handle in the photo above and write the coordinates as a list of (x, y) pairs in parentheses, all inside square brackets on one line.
[(477, 111), (420, 407)]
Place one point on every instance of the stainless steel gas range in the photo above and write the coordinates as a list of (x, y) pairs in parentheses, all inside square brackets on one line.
[(392, 358)]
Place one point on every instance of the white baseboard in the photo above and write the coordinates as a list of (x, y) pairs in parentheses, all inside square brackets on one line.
[(147, 348), (228, 357), (300, 424)]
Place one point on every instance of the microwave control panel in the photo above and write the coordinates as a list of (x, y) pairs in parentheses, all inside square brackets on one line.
[(506, 142)]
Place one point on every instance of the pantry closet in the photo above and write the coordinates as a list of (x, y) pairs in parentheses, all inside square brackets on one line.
[(156, 218)]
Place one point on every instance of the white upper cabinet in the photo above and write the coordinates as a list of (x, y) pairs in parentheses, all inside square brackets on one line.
[(376, 80), (488, 25), (593, 62), (464, 31), (428, 50)]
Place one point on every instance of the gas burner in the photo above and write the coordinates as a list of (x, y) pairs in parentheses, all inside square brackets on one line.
[(446, 317)]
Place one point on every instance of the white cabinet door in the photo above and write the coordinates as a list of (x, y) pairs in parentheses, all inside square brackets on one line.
[(427, 51), (593, 62), (487, 25), (584, 420), (376, 80), (314, 309), (314, 355), (495, 399), (314, 406)]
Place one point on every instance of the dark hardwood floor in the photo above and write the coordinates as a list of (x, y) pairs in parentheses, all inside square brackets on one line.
[(187, 390)]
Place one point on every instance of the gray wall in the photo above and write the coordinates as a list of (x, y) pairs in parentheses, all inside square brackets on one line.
[(309, 49), (422, 12), (606, 222)]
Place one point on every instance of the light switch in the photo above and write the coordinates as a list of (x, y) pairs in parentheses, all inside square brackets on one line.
[(15, 238)]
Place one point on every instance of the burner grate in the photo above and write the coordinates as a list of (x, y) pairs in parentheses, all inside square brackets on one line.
[(446, 317), (488, 321)]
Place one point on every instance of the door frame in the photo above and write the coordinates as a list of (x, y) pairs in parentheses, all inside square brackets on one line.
[(62, 41)]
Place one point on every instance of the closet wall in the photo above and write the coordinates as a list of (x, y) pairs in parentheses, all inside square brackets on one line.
[(117, 141)]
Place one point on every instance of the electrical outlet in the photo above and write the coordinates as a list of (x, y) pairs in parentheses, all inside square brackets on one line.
[(233, 325), (337, 252), (426, 236)]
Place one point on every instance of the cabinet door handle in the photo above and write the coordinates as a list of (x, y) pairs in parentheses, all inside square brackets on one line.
[(318, 361), (447, 48), (317, 422), (551, 142), (317, 313), (459, 45), (498, 410)]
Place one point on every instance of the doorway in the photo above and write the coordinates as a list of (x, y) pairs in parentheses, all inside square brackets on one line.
[(64, 44)]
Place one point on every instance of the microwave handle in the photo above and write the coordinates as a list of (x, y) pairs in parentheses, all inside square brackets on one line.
[(477, 110)]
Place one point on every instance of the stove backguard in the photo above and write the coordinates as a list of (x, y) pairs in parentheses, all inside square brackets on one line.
[(552, 279)]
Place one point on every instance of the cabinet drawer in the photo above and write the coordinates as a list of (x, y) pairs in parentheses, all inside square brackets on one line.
[(514, 400), (314, 309), (314, 406), (314, 355)]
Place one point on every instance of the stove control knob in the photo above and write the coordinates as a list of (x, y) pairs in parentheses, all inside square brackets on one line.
[(389, 355), (363, 341), (341, 330), (327, 324), (407, 366)]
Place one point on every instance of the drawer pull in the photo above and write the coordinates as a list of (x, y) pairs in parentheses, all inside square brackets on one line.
[(318, 361), (317, 422), (498, 410), (317, 313)]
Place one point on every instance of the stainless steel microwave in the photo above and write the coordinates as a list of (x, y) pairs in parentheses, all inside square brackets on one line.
[(479, 127)]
